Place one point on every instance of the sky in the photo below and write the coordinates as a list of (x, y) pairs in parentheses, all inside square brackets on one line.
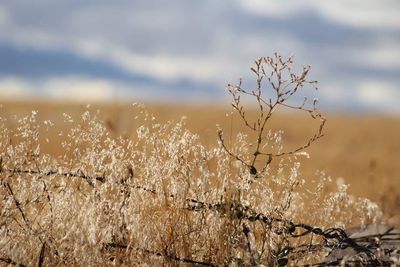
[(184, 51)]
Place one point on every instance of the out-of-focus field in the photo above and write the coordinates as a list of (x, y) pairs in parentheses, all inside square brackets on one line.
[(363, 149)]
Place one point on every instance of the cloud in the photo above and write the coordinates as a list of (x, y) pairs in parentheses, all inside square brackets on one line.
[(273, 8), (356, 13), (194, 48), (380, 96), (361, 13), (170, 42), (76, 89), (14, 88), (88, 89), (79, 89), (384, 56), (166, 67)]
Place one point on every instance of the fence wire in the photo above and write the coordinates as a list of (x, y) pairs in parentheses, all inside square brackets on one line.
[(374, 247)]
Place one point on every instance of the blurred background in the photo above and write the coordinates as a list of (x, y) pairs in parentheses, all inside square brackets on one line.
[(180, 50), (178, 56)]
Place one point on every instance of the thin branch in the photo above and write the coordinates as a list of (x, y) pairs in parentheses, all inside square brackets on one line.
[(222, 141), (284, 89)]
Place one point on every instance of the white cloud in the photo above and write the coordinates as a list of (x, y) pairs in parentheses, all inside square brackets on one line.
[(161, 66), (15, 89), (79, 89), (273, 8), (334, 93), (88, 90), (362, 13), (166, 67), (74, 89), (384, 56), (381, 96), (359, 13)]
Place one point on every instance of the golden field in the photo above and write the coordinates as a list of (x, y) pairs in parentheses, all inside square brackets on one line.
[(363, 149)]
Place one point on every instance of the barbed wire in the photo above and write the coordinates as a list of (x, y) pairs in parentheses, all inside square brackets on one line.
[(333, 238)]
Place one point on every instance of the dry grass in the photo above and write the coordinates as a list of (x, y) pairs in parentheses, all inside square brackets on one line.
[(363, 161), (363, 149), (128, 185)]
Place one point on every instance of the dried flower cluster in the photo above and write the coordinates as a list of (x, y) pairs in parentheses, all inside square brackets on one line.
[(164, 198)]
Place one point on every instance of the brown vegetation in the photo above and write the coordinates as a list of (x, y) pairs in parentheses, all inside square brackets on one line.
[(363, 149), (129, 186)]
